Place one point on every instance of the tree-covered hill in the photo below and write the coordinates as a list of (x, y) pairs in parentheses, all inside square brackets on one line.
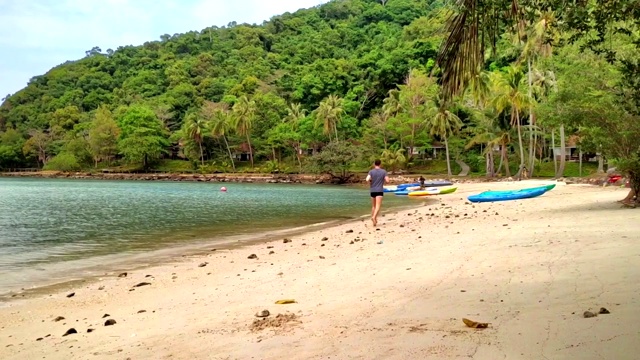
[(328, 88), (357, 50)]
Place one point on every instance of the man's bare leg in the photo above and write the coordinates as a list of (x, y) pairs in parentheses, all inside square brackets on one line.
[(373, 211), (376, 211)]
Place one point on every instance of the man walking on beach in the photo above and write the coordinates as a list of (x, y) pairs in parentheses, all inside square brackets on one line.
[(377, 177)]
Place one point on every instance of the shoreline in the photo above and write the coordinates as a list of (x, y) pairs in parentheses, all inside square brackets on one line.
[(138, 261), (529, 268), (280, 178)]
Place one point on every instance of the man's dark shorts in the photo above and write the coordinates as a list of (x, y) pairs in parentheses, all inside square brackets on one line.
[(376, 194)]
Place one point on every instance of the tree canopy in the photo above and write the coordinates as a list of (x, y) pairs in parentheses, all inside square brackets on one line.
[(490, 82)]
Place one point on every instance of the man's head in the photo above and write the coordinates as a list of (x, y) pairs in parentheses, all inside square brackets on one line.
[(377, 162)]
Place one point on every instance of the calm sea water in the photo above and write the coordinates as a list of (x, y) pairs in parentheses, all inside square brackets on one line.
[(52, 229)]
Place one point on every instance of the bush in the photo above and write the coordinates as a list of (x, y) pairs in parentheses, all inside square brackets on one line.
[(63, 162)]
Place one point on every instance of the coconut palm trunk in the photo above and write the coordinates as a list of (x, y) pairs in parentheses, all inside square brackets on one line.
[(250, 149), (226, 143), (446, 149), (519, 175), (297, 150), (201, 152), (505, 161), (531, 121), (553, 151), (563, 155)]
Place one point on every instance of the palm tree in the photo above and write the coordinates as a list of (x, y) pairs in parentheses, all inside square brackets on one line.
[(444, 124), (244, 111), (394, 159), (220, 123), (329, 112), (536, 45), (295, 113), (391, 104), (484, 134), (509, 94), (195, 128), (379, 124)]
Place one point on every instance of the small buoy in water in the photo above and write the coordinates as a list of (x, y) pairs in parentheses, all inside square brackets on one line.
[(223, 189)]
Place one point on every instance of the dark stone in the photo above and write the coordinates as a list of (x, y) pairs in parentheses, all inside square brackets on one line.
[(349, 231), (90, 330), (286, 241), (70, 331), (321, 257), (203, 264), (39, 339), (589, 314), (604, 311), (148, 276), (142, 311), (252, 256), (124, 274), (105, 316), (71, 295), (59, 318), (271, 252), (324, 239), (109, 322), (142, 284)]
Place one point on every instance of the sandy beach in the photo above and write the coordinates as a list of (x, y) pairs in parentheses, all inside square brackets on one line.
[(529, 268)]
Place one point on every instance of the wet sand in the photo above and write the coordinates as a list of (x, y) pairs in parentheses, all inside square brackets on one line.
[(530, 268)]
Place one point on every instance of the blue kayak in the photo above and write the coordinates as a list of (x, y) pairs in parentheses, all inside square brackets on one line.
[(491, 196), (404, 186)]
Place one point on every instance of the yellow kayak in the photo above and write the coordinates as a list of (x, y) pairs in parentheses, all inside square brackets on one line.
[(425, 192)]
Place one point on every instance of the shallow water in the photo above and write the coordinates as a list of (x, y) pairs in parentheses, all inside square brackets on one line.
[(52, 227)]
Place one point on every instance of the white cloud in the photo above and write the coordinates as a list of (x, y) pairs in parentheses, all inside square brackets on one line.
[(36, 35)]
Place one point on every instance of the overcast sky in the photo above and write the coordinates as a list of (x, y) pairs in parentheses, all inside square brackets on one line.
[(36, 35)]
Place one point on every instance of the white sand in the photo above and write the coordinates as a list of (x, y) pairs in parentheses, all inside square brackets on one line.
[(530, 268)]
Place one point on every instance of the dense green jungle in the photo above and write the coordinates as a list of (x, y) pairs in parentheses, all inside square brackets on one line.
[(509, 88)]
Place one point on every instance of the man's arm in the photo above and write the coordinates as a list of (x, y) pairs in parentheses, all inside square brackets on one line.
[(368, 178), (386, 178)]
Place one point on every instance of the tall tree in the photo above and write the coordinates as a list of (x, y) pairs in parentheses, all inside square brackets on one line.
[(414, 95), (295, 114), (444, 124), (244, 113), (330, 112), (195, 127), (509, 94), (220, 122), (38, 144), (103, 136), (537, 42), (143, 137)]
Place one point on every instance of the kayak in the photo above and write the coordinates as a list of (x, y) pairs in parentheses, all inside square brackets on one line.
[(425, 192), (404, 186), (448, 190), (490, 196), (438, 183)]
